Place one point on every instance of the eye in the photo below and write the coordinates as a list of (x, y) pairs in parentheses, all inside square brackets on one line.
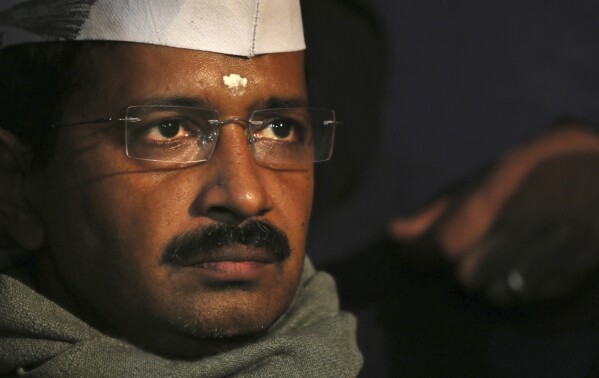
[(281, 129), (164, 130)]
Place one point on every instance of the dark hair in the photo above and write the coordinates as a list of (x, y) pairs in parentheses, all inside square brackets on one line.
[(35, 82)]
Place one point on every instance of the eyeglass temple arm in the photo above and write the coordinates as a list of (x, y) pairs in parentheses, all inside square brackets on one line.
[(99, 120)]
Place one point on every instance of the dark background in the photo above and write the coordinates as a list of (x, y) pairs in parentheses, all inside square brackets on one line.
[(429, 92)]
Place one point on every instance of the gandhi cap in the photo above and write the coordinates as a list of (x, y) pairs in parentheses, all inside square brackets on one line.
[(235, 27)]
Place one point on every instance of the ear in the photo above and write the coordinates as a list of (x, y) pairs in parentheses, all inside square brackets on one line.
[(412, 228), (20, 226)]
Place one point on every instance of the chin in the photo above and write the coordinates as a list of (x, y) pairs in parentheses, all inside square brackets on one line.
[(237, 324), (194, 338), (207, 327)]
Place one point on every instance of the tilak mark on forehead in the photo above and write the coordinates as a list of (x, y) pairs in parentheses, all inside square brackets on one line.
[(235, 83)]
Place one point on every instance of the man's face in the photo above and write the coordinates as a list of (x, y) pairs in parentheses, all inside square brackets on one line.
[(109, 218)]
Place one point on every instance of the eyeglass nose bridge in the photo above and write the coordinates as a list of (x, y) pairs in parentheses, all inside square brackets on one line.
[(243, 122)]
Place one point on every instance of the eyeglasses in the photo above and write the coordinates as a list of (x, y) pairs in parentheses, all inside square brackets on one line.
[(278, 138)]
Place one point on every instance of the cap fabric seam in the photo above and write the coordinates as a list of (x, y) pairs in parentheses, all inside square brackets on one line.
[(253, 48)]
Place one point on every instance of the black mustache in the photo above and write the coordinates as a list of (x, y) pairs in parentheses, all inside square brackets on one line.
[(259, 234)]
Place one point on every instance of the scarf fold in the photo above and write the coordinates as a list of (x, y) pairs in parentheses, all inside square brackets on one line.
[(313, 339)]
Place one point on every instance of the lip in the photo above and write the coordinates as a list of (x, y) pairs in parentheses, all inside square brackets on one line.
[(233, 271), (232, 253), (233, 263)]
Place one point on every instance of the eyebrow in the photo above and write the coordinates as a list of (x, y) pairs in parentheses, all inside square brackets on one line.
[(274, 102), (176, 101), (278, 102)]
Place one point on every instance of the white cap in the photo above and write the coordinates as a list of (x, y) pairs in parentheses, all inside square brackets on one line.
[(235, 27)]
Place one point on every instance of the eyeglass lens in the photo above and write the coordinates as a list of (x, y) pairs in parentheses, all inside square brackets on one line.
[(277, 137)]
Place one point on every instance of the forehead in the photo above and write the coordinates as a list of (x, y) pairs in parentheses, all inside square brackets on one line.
[(129, 74)]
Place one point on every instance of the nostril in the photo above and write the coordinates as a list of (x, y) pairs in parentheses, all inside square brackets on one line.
[(223, 214)]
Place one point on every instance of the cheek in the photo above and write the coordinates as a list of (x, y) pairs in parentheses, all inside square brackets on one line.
[(115, 200), (120, 218), (118, 241), (142, 213), (292, 195)]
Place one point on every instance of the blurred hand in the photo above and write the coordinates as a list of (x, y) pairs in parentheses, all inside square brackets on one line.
[(529, 230)]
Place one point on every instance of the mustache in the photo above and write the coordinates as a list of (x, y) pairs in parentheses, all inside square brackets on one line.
[(207, 240)]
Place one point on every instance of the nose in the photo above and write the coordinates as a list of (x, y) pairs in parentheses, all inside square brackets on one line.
[(235, 189)]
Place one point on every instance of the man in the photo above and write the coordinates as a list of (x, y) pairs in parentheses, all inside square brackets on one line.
[(160, 179)]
